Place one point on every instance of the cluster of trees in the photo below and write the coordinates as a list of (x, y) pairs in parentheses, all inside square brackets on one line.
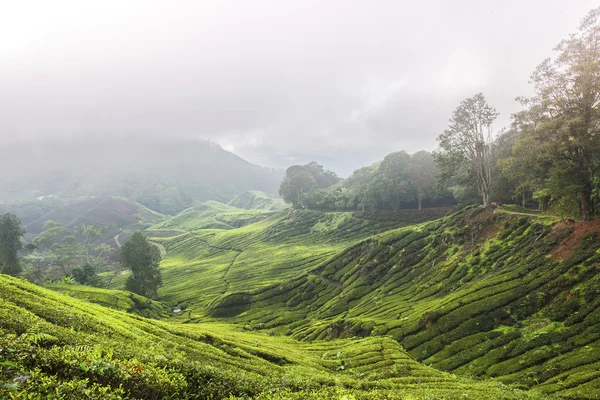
[(75, 254), (399, 181), (301, 181), (551, 154), (59, 252)]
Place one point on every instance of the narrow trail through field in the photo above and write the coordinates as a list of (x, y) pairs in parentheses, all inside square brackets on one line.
[(338, 284), (223, 222), (223, 278), (521, 213)]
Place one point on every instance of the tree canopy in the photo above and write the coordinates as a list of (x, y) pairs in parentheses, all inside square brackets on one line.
[(138, 255), (556, 154), (301, 180), (466, 146), (400, 180), (10, 244)]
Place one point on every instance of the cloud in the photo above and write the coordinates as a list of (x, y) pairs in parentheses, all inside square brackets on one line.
[(274, 81)]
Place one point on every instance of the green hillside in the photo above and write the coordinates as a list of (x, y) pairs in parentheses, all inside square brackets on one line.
[(116, 299), (209, 215), (501, 296), (105, 211), (167, 175), (54, 346), (257, 200), (497, 296), (207, 264)]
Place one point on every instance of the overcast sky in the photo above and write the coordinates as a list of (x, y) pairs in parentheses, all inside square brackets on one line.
[(278, 81)]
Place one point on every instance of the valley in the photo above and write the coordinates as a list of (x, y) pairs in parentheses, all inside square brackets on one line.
[(431, 303)]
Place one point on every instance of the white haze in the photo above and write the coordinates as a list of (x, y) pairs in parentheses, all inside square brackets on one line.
[(276, 82)]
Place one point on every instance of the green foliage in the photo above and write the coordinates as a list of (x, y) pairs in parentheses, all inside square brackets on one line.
[(558, 142), (398, 181), (302, 180), (143, 260), (54, 346), (10, 244), (86, 275), (466, 155)]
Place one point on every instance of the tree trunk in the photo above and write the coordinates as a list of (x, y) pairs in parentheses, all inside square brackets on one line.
[(586, 206), (486, 199), (586, 192)]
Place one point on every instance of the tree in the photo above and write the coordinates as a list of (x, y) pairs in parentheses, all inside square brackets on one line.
[(10, 244), (421, 176), (467, 145), (363, 178), (394, 181), (562, 119), (138, 255), (61, 243), (88, 233), (296, 185), (86, 275)]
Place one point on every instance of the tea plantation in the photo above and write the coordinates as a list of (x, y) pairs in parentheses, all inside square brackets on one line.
[(320, 305)]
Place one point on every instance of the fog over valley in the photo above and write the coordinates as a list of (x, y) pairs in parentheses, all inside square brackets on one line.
[(276, 82)]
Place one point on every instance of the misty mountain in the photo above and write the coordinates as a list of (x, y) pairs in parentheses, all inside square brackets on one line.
[(167, 175)]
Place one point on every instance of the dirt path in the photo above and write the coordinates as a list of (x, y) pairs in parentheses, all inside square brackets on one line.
[(224, 277), (519, 213)]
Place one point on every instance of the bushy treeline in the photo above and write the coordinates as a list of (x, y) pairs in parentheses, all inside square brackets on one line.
[(399, 181), (550, 157)]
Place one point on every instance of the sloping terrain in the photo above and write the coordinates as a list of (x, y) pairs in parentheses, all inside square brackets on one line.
[(475, 293), (116, 299), (103, 210), (209, 215), (203, 265), (57, 347), (165, 174), (257, 200)]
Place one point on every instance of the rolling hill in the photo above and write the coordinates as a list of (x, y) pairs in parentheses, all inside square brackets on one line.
[(501, 296), (166, 175), (55, 346), (375, 306), (257, 200)]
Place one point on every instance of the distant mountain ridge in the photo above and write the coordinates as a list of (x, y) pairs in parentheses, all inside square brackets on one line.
[(165, 174)]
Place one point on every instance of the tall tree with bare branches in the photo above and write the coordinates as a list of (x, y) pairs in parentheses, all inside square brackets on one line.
[(466, 146)]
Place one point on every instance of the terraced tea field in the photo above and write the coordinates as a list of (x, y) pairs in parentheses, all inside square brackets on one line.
[(477, 294), (55, 346), (313, 305), (204, 265)]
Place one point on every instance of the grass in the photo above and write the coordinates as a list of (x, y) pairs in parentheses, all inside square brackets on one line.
[(257, 200), (305, 304), (56, 346), (476, 294), (205, 265)]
